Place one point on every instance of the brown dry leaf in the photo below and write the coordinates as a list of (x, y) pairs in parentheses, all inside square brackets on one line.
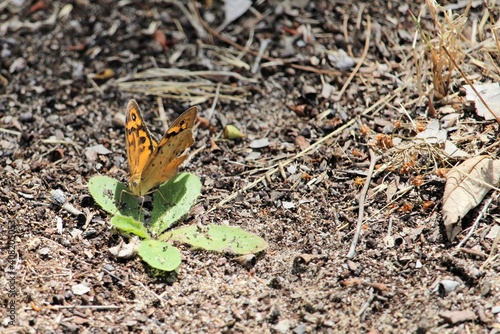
[(428, 205), (213, 146), (302, 142), (39, 5), (407, 207), (160, 38), (466, 186), (204, 122), (300, 110)]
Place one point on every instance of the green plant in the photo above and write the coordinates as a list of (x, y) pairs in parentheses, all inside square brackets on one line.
[(171, 202)]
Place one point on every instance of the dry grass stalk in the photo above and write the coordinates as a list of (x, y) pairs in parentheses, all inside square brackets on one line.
[(436, 62), (195, 86)]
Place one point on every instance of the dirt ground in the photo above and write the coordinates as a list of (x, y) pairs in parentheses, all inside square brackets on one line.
[(63, 68)]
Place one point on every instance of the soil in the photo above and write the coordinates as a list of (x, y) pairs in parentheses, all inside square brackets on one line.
[(61, 66)]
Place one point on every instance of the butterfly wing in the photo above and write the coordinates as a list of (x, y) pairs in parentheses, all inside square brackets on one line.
[(140, 143), (166, 158)]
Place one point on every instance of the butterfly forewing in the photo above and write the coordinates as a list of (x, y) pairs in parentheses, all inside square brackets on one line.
[(140, 142)]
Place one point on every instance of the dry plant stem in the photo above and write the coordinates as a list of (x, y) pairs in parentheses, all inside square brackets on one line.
[(199, 30), (278, 61), (491, 258), (11, 132), (492, 21), (476, 222), (400, 193), (175, 72), (93, 83), (214, 103), (161, 112), (83, 307), (382, 101), (362, 196), (473, 252), (368, 302), (263, 46), (145, 288), (471, 85), (361, 60), (346, 35), (58, 197)]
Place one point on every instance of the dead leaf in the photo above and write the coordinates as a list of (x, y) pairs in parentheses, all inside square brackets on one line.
[(92, 152), (433, 134), (453, 151), (300, 110), (259, 143), (80, 289), (160, 38), (302, 142), (39, 5), (466, 186), (204, 122), (233, 9), (213, 146), (493, 233), (489, 92)]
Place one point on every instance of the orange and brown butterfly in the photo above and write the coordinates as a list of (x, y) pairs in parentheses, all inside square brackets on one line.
[(151, 162)]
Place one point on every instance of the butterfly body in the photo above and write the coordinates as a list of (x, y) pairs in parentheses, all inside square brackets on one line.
[(151, 162)]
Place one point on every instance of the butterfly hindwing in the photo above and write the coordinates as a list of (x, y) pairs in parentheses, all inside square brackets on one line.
[(165, 160)]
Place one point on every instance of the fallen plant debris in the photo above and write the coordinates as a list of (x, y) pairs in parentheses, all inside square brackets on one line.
[(353, 114), (466, 186)]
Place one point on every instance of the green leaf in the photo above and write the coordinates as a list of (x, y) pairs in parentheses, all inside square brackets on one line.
[(113, 196), (160, 255), (129, 225), (173, 200), (220, 238)]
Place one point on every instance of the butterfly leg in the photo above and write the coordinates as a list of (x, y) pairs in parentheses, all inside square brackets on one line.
[(165, 201), (128, 209)]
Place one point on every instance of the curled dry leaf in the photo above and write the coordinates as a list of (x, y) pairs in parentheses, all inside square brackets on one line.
[(300, 110), (466, 186), (302, 142), (213, 146), (204, 122), (160, 38)]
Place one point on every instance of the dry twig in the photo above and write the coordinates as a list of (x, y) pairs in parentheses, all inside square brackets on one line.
[(476, 222), (362, 196), (313, 146)]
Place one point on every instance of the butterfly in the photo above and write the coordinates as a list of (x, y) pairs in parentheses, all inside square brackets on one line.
[(151, 162)]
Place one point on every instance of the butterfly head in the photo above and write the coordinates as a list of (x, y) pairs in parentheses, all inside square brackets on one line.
[(134, 185)]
